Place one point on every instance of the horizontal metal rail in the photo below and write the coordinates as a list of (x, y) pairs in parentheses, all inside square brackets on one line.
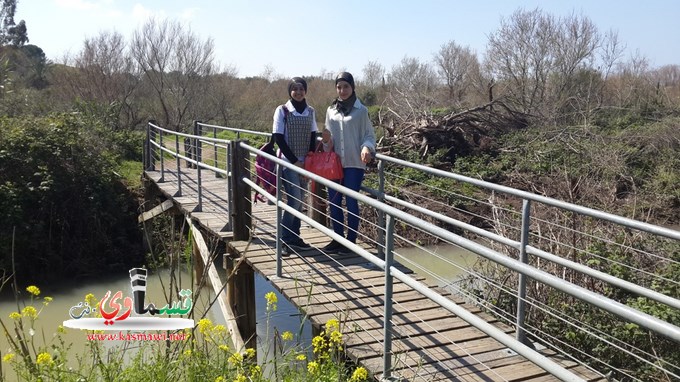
[(615, 281), (626, 222)]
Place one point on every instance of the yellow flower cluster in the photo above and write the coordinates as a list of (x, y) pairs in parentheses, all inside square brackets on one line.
[(271, 301), (34, 290), (319, 344), (250, 353), (205, 326), (313, 367), (359, 375), (44, 359), (236, 359), (287, 336), (29, 312), (91, 300), (8, 357)]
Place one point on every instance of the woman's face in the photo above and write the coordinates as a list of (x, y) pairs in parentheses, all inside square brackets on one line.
[(297, 92), (344, 90)]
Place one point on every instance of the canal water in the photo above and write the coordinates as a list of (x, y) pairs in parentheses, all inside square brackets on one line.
[(439, 264)]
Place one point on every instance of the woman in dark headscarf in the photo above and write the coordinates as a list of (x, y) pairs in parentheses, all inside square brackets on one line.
[(353, 139), (295, 133)]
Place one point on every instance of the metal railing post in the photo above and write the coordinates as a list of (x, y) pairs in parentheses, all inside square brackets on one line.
[(160, 154), (147, 148), (179, 167), (522, 287), (230, 181), (199, 207), (381, 214), (197, 138), (387, 324), (217, 174), (279, 219)]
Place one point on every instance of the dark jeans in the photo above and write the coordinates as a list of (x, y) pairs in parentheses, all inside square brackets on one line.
[(352, 179)]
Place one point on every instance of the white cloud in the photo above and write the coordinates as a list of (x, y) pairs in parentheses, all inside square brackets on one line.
[(188, 14), (76, 4)]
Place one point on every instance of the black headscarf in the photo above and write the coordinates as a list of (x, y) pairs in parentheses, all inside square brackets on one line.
[(301, 105), (345, 106)]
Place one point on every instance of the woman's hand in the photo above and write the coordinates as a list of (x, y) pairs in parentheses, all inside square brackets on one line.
[(366, 155), (327, 140)]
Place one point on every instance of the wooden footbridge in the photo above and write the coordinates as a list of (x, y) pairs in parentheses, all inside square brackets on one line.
[(395, 322)]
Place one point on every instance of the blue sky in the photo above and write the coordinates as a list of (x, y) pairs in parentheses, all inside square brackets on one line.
[(312, 37)]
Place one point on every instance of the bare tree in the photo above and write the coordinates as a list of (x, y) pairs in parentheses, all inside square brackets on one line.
[(540, 61), (457, 66), (374, 75), (105, 75), (412, 84), (520, 54), (176, 65), (633, 86)]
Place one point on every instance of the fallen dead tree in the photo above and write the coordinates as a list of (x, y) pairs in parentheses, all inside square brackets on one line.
[(460, 133)]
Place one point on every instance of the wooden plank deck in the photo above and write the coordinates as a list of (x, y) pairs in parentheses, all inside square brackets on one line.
[(429, 342)]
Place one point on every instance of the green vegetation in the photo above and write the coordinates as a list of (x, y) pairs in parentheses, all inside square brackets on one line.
[(202, 353), (61, 197)]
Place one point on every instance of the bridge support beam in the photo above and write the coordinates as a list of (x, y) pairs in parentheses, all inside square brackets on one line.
[(241, 298), (240, 207)]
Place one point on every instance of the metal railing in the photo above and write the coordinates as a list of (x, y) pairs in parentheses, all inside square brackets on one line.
[(516, 253)]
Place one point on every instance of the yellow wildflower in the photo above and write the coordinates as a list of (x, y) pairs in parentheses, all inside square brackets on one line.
[(236, 359), (15, 315), (8, 357), (250, 353), (187, 352), (241, 378), (287, 336), (332, 325), (301, 357), (219, 328), (29, 312), (44, 358), (224, 348), (313, 367), (204, 325), (47, 300), (319, 344), (34, 290), (255, 371), (220, 379), (91, 300), (271, 301), (61, 329), (335, 339), (359, 375)]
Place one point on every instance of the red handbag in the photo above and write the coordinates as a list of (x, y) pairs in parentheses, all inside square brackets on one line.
[(324, 164)]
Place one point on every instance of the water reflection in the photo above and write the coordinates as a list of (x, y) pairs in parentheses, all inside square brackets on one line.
[(442, 264)]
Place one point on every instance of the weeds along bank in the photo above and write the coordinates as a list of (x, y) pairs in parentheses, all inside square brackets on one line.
[(65, 209), (200, 353)]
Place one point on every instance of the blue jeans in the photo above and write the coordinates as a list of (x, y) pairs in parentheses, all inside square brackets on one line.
[(290, 225), (352, 178)]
